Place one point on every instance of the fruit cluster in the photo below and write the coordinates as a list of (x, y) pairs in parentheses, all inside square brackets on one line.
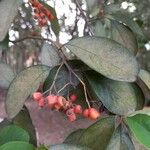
[(59, 103), (41, 13)]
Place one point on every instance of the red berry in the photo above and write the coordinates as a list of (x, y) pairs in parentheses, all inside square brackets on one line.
[(73, 97), (86, 113), (93, 113), (52, 100), (37, 96), (78, 109), (41, 102), (60, 101), (72, 117)]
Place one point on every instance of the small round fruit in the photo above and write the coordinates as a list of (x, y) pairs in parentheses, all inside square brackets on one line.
[(78, 109), (73, 97), (52, 100), (72, 117), (41, 102), (93, 113), (86, 113), (37, 96)]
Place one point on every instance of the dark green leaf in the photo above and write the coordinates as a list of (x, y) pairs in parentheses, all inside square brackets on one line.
[(54, 23), (4, 43), (123, 35), (106, 57), (63, 78), (96, 136), (24, 121), (22, 86), (17, 145), (8, 10), (6, 75), (49, 55), (118, 97), (140, 127), (5, 123), (125, 18), (120, 140), (145, 77), (13, 133)]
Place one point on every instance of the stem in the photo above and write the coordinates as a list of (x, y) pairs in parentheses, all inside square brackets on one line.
[(63, 87)]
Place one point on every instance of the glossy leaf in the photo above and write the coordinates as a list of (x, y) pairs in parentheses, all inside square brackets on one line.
[(49, 55), (121, 98), (17, 145), (4, 43), (106, 57), (13, 133), (120, 140), (125, 18), (22, 86), (7, 16), (24, 121), (97, 136), (62, 79), (67, 147), (145, 77), (123, 35), (140, 127), (6, 75)]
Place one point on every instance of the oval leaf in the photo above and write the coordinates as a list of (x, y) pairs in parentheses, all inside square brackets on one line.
[(49, 55), (13, 133), (120, 140), (17, 145), (118, 97), (96, 136), (140, 127), (22, 86), (7, 16), (6, 75), (106, 57), (145, 77)]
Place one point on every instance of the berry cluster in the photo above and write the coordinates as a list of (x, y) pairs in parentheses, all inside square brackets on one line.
[(59, 103), (41, 14)]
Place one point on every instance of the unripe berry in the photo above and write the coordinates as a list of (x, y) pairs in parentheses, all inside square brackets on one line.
[(86, 113), (41, 102), (78, 109), (52, 100), (73, 97), (37, 96), (93, 113)]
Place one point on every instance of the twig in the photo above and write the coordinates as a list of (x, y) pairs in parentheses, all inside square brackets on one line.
[(63, 87)]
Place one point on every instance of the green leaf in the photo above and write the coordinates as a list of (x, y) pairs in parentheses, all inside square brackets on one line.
[(145, 77), (49, 55), (123, 35), (96, 136), (5, 123), (8, 10), (93, 7), (120, 140), (24, 121), (140, 127), (62, 79), (6, 75), (4, 43), (41, 147), (145, 110), (17, 145), (106, 57), (116, 31), (54, 23), (22, 86), (68, 147), (121, 98), (13, 133), (124, 17)]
